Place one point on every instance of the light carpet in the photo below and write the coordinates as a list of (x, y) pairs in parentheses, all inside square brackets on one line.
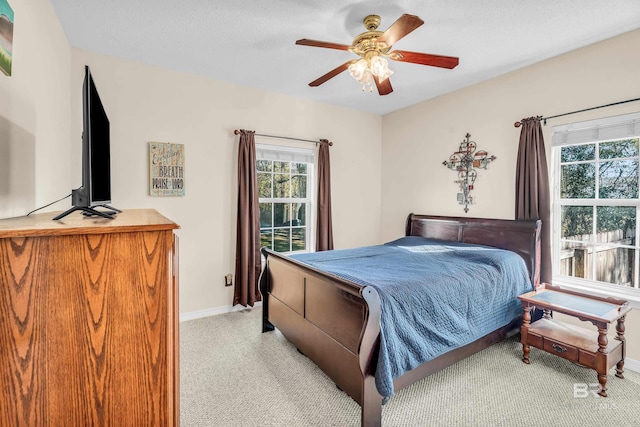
[(233, 375)]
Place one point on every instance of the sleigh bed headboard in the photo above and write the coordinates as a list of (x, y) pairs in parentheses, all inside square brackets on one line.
[(521, 237)]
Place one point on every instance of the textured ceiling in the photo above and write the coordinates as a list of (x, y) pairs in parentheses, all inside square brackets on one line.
[(251, 42)]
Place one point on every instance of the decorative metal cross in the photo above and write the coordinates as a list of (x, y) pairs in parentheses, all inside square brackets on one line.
[(465, 161)]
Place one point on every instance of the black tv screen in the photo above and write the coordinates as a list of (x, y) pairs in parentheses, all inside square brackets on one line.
[(96, 157), (97, 176)]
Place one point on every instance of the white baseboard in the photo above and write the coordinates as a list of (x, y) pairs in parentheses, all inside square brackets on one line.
[(213, 311), (632, 365)]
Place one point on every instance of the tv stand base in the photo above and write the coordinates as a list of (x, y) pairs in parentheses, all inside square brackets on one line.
[(108, 207), (87, 211)]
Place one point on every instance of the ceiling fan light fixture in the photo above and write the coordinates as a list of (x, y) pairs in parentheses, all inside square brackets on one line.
[(380, 67), (364, 70), (358, 68), (360, 71)]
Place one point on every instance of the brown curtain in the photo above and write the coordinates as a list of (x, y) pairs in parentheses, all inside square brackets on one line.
[(532, 188), (246, 291), (324, 229)]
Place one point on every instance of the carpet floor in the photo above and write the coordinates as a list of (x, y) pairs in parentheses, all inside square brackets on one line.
[(233, 375)]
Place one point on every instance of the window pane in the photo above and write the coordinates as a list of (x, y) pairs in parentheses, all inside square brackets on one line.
[(598, 243), (619, 220), (264, 184), (299, 168), (616, 224), (265, 239), (619, 179), (283, 225), (281, 166), (615, 265), (299, 213), (282, 186), (299, 186), (616, 149), (578, 153), (265, 215), (282, 239), (578, 181), (281, 214), (264, 165), (298, 239), (577, 222), (575, 259)]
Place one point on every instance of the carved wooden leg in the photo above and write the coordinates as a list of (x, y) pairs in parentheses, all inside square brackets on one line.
[(603, 341), (620, 369), (524, 333), (602, 379), (620, 337)]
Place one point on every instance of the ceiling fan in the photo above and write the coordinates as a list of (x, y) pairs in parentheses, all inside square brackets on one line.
[(374, 47)]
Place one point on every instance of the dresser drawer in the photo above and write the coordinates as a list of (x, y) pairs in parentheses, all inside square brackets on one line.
[(561, 349)]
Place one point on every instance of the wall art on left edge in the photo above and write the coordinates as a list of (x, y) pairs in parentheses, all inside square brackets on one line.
[(166, 169), (6, 37)]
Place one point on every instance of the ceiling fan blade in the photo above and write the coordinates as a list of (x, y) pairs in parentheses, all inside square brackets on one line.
[(403, 26), (424, 59), (384, 86), (317, 43), (331, 74)]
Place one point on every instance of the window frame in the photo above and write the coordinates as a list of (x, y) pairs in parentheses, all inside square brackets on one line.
[(589, 132), (293, 153)]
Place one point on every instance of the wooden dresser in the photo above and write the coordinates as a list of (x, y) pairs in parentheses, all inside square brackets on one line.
[(88, 320)]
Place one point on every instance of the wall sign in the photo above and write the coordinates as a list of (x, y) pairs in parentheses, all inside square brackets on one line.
[(166, 169), (466, 161)]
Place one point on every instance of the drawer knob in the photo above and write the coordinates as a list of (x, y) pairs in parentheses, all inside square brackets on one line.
[(558, 348)]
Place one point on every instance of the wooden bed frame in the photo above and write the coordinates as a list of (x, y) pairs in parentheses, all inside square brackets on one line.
[(336, 323)]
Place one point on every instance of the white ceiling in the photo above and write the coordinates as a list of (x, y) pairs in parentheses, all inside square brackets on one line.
[(252, 42)]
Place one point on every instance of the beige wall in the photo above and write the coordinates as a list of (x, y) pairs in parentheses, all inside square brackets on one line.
[(34, 112), (147, 103), (416, 140)]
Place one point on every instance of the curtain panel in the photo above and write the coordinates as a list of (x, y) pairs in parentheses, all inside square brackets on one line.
[(533, 200), (248, 261), (324, 227)]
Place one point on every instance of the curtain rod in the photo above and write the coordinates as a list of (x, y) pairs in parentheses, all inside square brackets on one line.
[(236, 132), (544, 119)]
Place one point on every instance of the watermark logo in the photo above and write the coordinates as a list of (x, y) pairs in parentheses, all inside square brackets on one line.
[(584, 390)]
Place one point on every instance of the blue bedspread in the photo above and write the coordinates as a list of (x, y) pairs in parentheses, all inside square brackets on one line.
[(435, 296)]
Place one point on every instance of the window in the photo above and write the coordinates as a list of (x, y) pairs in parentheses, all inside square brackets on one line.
[(597, 204), (285, 184)]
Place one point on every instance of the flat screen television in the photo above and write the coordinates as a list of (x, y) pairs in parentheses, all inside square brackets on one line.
[(96, 157)]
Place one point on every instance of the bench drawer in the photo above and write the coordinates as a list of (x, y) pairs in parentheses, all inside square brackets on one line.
[(561, 349)]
